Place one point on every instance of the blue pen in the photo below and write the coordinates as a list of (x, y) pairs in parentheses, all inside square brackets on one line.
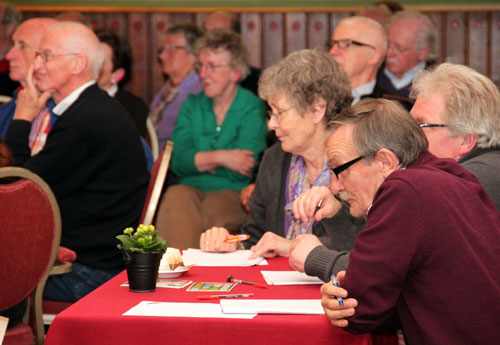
[(336, 283)]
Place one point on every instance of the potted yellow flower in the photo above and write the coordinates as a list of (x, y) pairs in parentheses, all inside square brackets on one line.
[(142, 251)]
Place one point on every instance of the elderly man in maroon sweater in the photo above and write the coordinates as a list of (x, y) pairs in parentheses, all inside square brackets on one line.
[(429, 256)]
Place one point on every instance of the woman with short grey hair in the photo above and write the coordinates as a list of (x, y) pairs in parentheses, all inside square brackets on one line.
[(304, 91)]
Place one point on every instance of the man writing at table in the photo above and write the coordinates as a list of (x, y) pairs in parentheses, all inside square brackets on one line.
[(428, 255), (93, 159)]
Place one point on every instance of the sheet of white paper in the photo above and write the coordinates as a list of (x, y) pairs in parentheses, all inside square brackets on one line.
[(237, 258), (149, 308), (289, 278), (272, 306), (3, 327)]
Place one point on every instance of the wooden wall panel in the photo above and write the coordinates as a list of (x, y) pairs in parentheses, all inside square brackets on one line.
[(158, 23), (273, 44), (318, 30), (478, 39), (437, 20), (138, 36), (251, 33), (117, 22), (455, 37), (470, 37), (495, 48), (295, 33)]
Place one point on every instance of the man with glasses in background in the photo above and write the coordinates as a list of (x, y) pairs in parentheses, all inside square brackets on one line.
[(459, 111), (411, 48), (359, 45), (93, 159), (20, 56)]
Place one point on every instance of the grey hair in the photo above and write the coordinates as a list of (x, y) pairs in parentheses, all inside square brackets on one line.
[(425, 35), (229, 41), (381, 123), (472, 101), (82, 40), (191, 33), (305, 76)]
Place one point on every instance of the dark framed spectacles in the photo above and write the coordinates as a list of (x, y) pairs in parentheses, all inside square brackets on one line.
[(432, 125), (344, 44), (338, 170)]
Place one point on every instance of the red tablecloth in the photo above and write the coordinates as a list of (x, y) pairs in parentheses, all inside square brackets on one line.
[(98, 319)]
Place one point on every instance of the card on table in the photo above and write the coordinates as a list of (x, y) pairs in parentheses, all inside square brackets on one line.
[(204, 286), (169, 283)]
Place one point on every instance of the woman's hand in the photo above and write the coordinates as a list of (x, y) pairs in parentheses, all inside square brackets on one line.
[(270, 245), (213, 240), (245, 195), (304, 206), (238, 160)]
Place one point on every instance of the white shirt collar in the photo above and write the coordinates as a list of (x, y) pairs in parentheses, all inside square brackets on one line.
[(62, 106), (362, 90), (407, 78), (112, 90)]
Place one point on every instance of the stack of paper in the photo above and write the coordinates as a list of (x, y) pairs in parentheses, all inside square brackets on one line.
[(148, 308), (271, 306), (289, 278), (237, 258)]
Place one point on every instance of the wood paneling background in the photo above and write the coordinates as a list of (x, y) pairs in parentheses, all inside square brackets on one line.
[(471, 37)]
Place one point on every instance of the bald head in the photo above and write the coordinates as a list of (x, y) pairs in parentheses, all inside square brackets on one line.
[(222, 20), (362, 57), (75, 37), (26, 40)]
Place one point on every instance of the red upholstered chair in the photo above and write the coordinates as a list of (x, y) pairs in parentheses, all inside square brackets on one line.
[(29, 240), (152, 139), (158, 176)]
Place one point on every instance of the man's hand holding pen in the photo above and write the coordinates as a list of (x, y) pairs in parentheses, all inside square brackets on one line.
[(335, 302)]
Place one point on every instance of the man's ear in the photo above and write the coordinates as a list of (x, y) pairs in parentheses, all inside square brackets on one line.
[(387, 161), (376, 57), (117, 75), (318, 109), (468, 143), (79, 64)]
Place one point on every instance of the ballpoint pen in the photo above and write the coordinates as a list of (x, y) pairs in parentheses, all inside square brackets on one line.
[(311, 221), (336, 283), (239, 281), (237, 238), (225, 296)]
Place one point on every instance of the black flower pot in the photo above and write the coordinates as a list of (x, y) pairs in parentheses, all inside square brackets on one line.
[(142, 270)]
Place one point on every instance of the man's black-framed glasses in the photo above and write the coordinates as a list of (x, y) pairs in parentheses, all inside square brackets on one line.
[(344, 44), (432, 125), (338, 170)]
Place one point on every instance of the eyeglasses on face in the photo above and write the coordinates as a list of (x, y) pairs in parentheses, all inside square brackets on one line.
[(431, 125), (345, 44), (277, 115), (338, 170), (46, 56), (396, 48), (209, 67), (170, 48)]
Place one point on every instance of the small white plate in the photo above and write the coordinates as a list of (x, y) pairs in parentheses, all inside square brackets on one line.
[(172, 274)]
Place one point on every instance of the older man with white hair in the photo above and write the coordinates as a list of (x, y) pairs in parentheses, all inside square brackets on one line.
[(459, 111), (411, 48), (93, 159)]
